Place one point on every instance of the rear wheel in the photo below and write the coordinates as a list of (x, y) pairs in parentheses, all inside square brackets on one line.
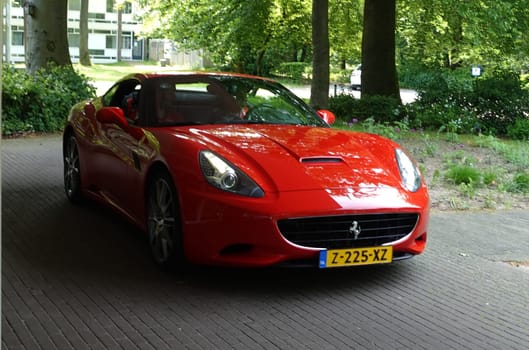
[(72, 170), (163, 222)]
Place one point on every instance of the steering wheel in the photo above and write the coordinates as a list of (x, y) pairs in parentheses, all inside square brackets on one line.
[(260, 113)]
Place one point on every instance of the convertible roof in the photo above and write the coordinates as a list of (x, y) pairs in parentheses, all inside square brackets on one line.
[(150, 75)]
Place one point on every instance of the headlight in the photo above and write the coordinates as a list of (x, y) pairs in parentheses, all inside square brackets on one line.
[(225, 176), (410, 175)]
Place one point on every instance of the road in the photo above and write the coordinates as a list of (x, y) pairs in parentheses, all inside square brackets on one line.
[(78, 277)]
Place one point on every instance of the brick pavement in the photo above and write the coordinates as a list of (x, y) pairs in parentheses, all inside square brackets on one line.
[(81, 278)]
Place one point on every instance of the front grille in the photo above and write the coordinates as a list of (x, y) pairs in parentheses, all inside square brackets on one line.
[(348, 231)]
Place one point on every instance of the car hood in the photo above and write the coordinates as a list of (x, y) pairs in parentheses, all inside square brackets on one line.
[(303, 158)]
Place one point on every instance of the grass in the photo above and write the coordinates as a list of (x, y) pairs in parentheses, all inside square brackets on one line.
[(464, 172), (513, 150)]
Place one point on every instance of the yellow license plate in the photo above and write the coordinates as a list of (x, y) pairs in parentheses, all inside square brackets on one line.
[(356, 256)]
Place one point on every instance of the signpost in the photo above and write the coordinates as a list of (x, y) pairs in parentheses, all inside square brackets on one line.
[(476, 71)]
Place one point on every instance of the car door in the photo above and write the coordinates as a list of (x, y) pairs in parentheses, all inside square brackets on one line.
[(117, 155)]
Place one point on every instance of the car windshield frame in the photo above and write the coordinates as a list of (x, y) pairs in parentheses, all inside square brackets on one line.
[(224, 99)]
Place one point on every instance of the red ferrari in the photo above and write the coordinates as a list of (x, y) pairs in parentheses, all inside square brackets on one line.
[(236, 170)]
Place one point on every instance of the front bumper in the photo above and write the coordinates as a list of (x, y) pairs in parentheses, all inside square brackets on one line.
[(231, 230)]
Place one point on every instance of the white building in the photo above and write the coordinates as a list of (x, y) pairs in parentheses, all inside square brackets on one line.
[(102, 31)]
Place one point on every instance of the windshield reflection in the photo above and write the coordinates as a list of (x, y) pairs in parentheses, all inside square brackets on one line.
[(208, 99)]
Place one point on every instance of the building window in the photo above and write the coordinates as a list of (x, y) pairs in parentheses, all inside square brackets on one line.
[(111, 42), (127, 42), (127, 7), (73, 40), (74, 5), (17, 38), (111, 6), (92, 15), (96, 52)]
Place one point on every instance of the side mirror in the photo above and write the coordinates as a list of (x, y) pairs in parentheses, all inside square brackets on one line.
[(112, 115), (327, 116)]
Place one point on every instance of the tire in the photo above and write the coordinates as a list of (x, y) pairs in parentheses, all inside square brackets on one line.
[(72, 171), (163, 223)]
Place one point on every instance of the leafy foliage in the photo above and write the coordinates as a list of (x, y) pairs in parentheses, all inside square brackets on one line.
[(345, 30), (452, 33), (520, 183), (239, 35), (460, 104), (257, 36), (254, 36), (293, 70), (40, 102), (463, 174), (380, 108), (519, 130)]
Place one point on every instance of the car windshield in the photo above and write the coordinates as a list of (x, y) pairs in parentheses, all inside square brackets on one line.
[(210, 99)]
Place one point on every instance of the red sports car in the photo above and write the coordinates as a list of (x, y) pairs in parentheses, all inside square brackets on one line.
[(236, 170)]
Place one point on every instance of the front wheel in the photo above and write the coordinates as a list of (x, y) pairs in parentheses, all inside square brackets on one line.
[(163, 222), (72, 170)]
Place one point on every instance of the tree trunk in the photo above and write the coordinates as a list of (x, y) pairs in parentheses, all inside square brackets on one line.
[(259, 62), (84, 53), (119, 43), (379, 73), (319, 90), (45, 30)]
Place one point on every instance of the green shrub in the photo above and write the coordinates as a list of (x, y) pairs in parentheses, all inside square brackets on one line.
[(463, 174), (293, 70), (447, 117), (344, 107), (490, 177), (394, 131), (340, 76), (461, 104), (40, 103), (520, 183), (519, 130), (380, 108), (499, 101), (424, 79)]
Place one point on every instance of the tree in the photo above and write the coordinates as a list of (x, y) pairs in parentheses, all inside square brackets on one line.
[(453, 33), (84, 53), (119, 43), (245, 36), (119, 6), (345, 31), (379, 73), (319, 90), (45, 33)]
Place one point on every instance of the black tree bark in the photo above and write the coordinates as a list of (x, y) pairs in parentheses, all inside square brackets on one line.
[(379, 73), (319, 91)]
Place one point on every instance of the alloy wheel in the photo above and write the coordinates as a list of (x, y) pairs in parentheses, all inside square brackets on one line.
[(161, 220), (72, 174)]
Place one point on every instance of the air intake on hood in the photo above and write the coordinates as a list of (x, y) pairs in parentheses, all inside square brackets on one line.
[(313, 160)]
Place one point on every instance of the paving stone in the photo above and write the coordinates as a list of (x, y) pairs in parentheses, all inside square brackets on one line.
[(79, 277)]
